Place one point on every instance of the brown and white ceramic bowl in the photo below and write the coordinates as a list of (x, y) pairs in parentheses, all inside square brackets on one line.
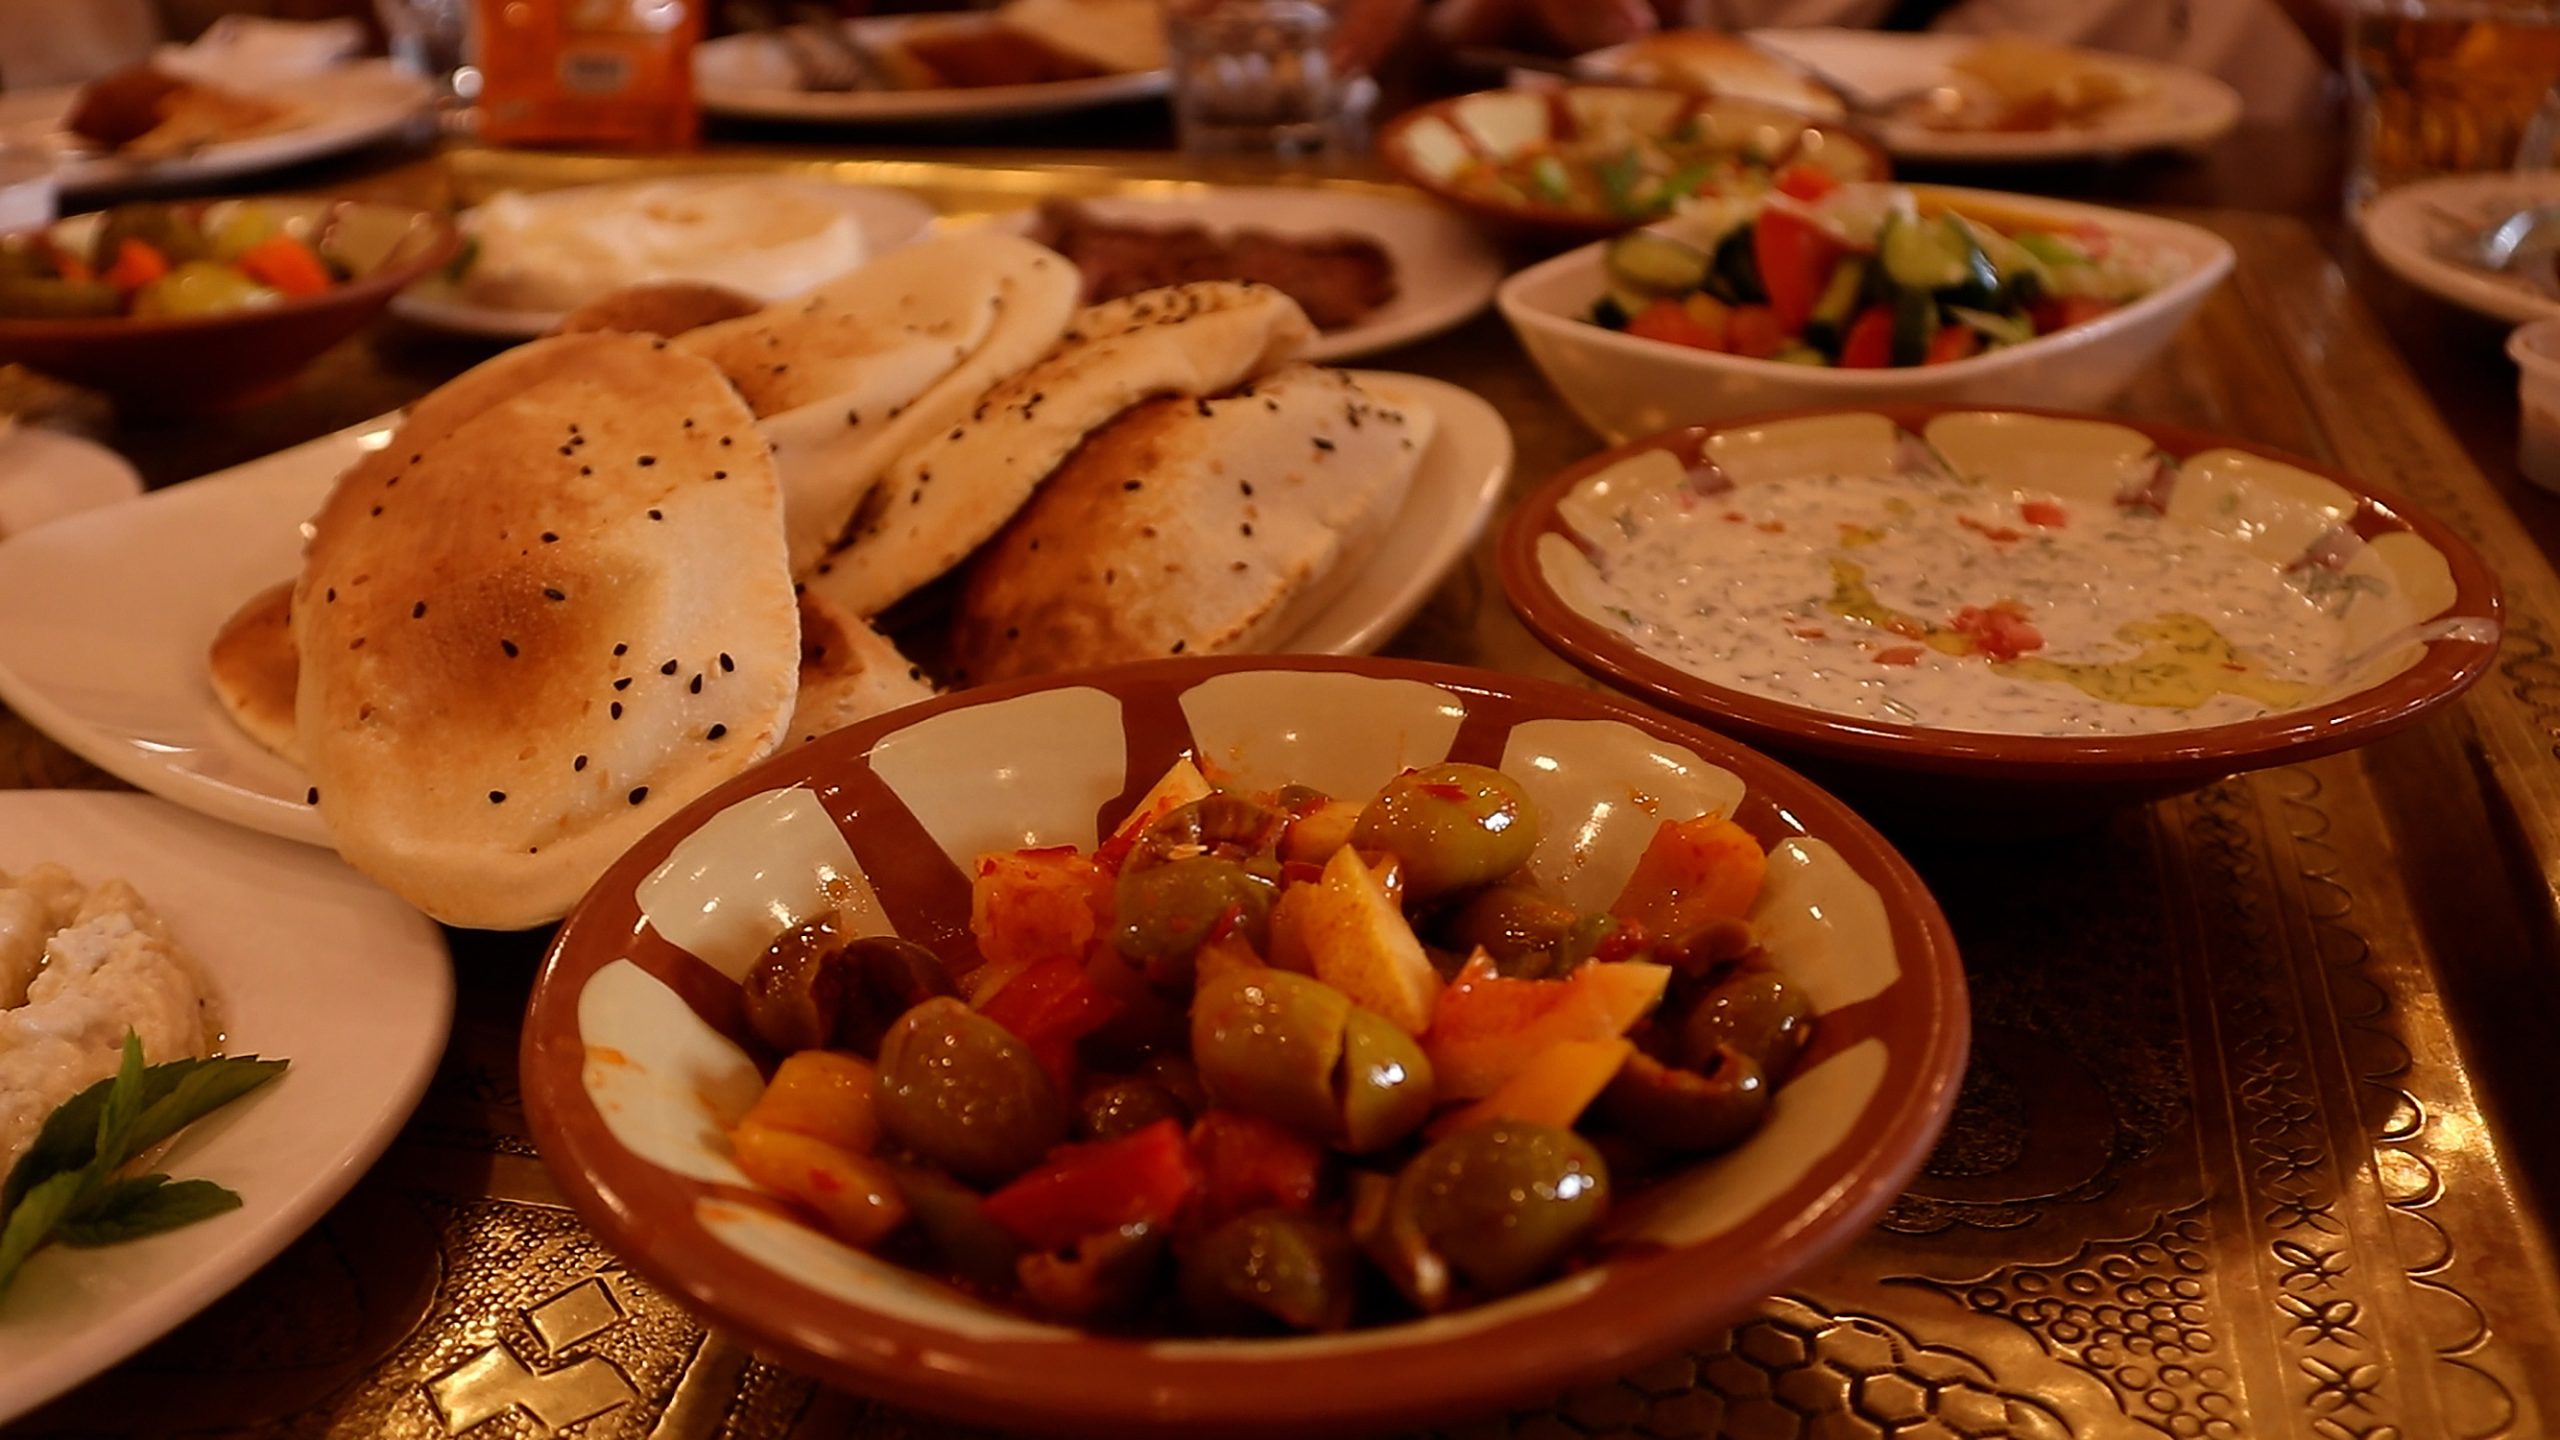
[(2428, 633), (636, 1052), (1434, 146)]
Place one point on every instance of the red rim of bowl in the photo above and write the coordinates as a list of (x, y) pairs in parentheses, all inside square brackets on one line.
[(1648, 1304), (1391, 150), (2448, 667), (386, 279)]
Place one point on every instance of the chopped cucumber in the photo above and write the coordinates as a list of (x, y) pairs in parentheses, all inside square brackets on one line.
[(1647, 260), (1915, 324), (1996, 329), (1838, 304), (1939, 254), (2050, 248)]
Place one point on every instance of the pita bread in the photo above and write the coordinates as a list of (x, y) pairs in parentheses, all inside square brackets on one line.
[(947, 495), (549, 613), (857, 371), (1191, 527), (848, 672), (664, 307), (252, 664)]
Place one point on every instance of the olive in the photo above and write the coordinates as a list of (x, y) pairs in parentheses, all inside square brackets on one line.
[(1385, 1232), (1520, 926), (954, 1221), (1757, 1014), (1097, 1277), (201, 287), (960, 1090), (1180, 1078), (1125, 1106), (1168, 911), (817, 988), (1229, 827), (1502, 1203), (1387, 1085), (1663, 1107), (1453, 826), (894, 976), (1271, 1265), (1270, 1042), (1708, 948)]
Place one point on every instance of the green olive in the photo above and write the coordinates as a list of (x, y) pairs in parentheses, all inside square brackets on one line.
[(1683, 1111), (1708, 949), (1758, 1014), (1271, 1265), (1387, 1085), (1453, 827), (1098, 1277), (1230, 827), (1125, 1106), (1502, 1204), (960, 1090), (172, 230), (1168, 911), (1270, 1042), (1518, 925), (201, 287), (795, 995), (954, 1221)]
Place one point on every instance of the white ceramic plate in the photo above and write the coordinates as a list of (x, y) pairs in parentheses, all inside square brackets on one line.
[(105, 617), (889, 218), (750, 76), (352, 105), (2412, 228), (1444, 269), (45, 475), (308, 961), (2185, 108)]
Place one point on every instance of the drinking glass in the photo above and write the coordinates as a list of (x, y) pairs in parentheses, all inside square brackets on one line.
[(2447, 87), (1257, 76), (430, 38)]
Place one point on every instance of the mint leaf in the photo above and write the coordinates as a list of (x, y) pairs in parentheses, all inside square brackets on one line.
[(70, 1135), (123, 1107), (206, 1086), (32, 1222), (144, 1205)]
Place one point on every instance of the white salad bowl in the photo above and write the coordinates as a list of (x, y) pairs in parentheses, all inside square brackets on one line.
[(1625, 385)]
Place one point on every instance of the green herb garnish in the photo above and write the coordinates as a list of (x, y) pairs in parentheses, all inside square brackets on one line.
[(65, 1189)]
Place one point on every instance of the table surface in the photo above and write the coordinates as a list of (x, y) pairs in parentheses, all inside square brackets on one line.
[(2254, 1121)]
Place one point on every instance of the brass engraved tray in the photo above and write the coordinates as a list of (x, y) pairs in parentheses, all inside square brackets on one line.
[(2229, 1161)]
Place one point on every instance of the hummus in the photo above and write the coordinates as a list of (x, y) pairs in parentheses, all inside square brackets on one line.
[(79, 966), (556, 251)]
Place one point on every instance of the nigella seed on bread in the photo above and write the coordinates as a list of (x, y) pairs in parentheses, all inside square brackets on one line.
[(1185, 340), (1229, 531), (408, 723)]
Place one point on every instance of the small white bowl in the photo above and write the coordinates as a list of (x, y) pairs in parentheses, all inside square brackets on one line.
[(1623, 385), (2535, 348)]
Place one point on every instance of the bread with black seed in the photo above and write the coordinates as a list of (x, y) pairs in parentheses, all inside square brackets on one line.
[(252, 665), (947, 495), (1191, 527), (848, 672), (550, 612)]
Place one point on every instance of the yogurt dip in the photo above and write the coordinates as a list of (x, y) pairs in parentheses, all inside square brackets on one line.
[(560, 249), (80, 966), (1913, 596)]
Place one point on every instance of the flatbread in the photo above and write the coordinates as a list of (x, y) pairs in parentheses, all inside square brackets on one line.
[(857, 371), (1190, 527), (252, 665), (661, 307), (549, 613), (849, 672), (947, 495)]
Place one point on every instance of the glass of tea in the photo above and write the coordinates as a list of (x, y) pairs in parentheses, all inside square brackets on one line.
[(2448, 87)]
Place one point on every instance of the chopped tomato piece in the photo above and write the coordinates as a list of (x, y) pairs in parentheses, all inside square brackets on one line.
[(1671, 322), (1249, 1163), (138, 263), (286, 266), (1899, 655), (1806, 182), (1953, 342), (1049, 1007), (1143, 1178), (2046, 514), (1796, 258), (1869, 343), (1755, 332), (2000, 631)]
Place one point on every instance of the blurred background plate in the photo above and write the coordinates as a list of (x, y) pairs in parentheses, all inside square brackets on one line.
[(343, 108), (45, 475), (749, 76)]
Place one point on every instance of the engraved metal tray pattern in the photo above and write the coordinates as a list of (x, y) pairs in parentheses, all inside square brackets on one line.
[(2222, 1166)]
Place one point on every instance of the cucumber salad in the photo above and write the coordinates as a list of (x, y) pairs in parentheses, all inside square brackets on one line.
[(1860, 276)]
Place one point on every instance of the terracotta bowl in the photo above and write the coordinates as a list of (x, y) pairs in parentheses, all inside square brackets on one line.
[(197, 363), (2297, 513), (635, 1050), (1429, 145)]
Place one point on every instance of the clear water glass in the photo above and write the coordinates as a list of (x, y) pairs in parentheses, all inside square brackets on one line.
[(430, 38), (1257, 77)]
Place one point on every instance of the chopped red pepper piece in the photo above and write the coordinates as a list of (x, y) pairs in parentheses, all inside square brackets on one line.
[(1249, 1163), (1796, 258), (1754, 331), (1806, 182), (1869, 343), (1049, 1007), (1143, 1178), (1671, 322)]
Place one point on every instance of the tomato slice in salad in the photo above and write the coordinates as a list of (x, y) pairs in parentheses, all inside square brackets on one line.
[(1795, 257), (1869, 342)]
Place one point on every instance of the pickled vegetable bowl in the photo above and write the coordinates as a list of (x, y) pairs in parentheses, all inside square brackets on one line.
[(1861, 277), (1073, 1100), (149, 259)]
